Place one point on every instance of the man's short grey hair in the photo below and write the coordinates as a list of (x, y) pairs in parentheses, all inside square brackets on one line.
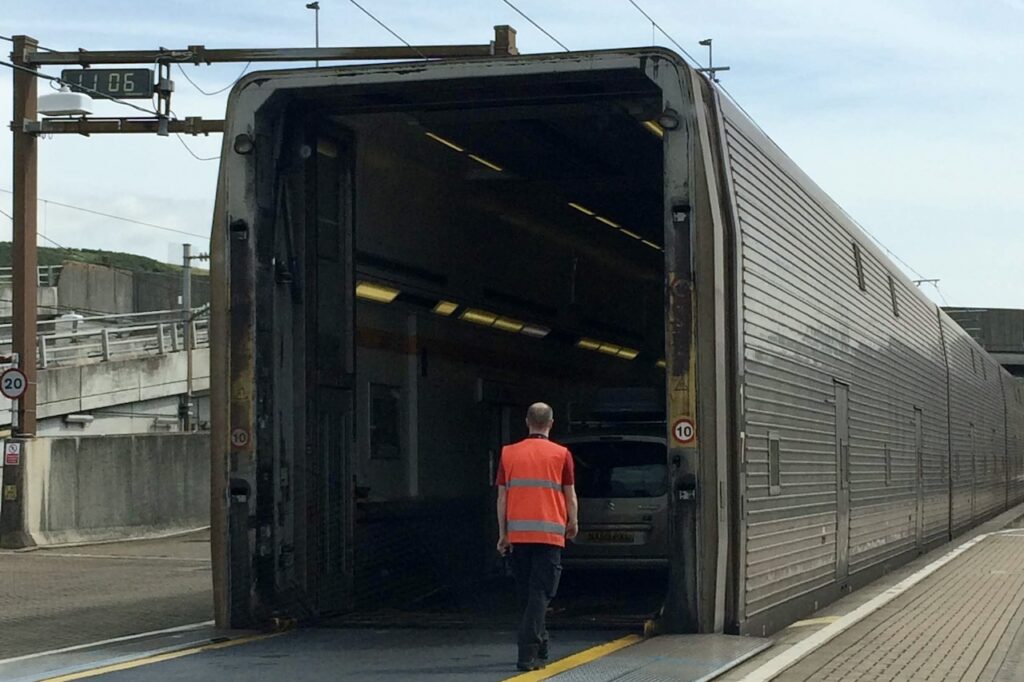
[(540, 415)]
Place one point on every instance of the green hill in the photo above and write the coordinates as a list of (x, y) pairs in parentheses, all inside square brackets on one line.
[(114, 259)]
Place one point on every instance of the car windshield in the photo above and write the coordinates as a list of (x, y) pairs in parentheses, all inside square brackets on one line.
[(620, 469)]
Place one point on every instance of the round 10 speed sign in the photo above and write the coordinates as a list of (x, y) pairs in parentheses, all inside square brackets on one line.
[(683, 431), (13, 383)]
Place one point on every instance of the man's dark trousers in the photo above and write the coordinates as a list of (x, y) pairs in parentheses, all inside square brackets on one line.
[(537, 569)]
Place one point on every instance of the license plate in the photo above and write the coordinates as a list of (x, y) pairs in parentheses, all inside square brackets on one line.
[(610, 537)]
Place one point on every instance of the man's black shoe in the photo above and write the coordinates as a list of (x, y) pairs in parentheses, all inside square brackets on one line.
[(527, 666)]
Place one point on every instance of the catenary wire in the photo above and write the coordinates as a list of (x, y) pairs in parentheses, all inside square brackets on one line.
[(215, 92), (739, 106), (536, 25), (386, 28), (38, 47), (194, 155), (665, 33), (116, 217), (44, 76)]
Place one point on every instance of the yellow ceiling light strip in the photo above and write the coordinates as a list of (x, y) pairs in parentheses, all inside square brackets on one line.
[(484, 162), (506, 324), (376, 292), (655, 128), (445, 307), (478, 317), (611, 223), (486, 318), (613, 349), (446, 143)]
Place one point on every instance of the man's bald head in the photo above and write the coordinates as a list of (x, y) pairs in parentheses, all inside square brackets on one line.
[(540, 417)]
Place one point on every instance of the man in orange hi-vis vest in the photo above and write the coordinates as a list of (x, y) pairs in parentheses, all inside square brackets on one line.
[(537, 511)]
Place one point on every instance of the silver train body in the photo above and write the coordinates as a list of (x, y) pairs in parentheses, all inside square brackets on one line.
[(842, 424)]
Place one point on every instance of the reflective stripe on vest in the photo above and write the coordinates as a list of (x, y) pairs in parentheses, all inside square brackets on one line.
[(533, 483), (536, 527)]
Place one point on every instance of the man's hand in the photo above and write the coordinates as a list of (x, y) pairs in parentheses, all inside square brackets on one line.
[(504, 547), (572, 529)]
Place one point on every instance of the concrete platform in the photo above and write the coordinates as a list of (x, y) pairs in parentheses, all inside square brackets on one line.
[(955, 614), (60, 597)]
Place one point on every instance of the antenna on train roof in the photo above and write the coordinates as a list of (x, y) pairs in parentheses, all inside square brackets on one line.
[(711, 70)]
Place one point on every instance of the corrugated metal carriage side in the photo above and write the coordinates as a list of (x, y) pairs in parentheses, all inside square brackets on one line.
[(833, 494)]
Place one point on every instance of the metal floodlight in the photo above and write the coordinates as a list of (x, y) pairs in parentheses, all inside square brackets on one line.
[(668, 119), (243, 144), (706, 42), (64, 103)]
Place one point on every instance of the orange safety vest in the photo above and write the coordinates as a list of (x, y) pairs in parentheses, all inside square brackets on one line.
[(535, 512)]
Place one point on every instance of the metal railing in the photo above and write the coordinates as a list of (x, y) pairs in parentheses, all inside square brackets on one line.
[(81, 340), (47, 275)]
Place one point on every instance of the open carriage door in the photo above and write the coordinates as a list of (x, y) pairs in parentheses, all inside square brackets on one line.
[(330, 372)]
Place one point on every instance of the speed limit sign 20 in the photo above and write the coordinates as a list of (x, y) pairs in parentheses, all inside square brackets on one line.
[(13, 383)]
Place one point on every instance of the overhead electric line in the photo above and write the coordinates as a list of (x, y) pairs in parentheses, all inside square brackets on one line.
[(116, 217), (215, 92), (664, 33), (536, 25), (194, 155), (92, 91), (387, 28)]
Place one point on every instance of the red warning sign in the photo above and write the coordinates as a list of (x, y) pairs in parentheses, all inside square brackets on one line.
[(12, 454)]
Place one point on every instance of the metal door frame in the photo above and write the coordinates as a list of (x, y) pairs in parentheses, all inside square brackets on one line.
[(842, 435), (919, 462)]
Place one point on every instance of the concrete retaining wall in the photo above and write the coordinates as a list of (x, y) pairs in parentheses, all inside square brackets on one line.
[(115, 487), (46, 300), (160, 291), (95, 289)]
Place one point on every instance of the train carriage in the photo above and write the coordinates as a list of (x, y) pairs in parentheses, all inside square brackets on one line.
[(404, 255)]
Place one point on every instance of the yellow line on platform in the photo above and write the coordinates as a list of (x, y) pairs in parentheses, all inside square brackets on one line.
[(159, 658), (576, 660)]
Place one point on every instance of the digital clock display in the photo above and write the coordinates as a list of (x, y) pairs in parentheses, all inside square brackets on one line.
[(119, 83)]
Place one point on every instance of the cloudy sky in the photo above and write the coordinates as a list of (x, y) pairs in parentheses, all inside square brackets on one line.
[(906, 111)]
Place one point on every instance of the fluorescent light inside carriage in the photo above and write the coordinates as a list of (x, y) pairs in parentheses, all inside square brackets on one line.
[(445, 307), (446, 143), (376, 292), (484, 162), (613, 349), (485, 318), (609, 223), (655, 128), (629, 233), (481, 317), (582, 209), (661, 364), (506, 324), (535, 330)]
